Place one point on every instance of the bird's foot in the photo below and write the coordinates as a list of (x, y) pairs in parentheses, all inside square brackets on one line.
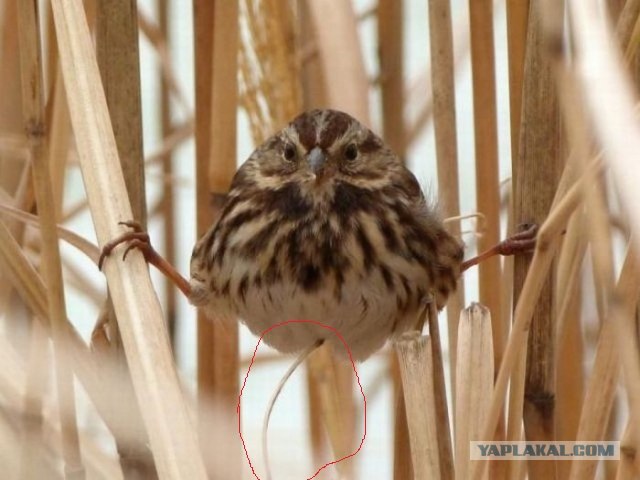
[(521, 242), (137, 238)]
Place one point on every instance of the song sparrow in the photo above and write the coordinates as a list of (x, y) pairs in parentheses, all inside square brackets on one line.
[(323, 222)]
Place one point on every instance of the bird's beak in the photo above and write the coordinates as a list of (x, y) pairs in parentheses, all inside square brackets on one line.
[(316, 159)]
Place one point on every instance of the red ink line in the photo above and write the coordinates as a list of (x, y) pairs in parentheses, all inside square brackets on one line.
[(364, 399)]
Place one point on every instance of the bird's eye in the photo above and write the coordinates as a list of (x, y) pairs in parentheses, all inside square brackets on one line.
[(289, 152), (351, 152)]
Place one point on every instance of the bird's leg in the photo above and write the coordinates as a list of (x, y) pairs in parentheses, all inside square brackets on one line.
[(523, 241), (139, 239)]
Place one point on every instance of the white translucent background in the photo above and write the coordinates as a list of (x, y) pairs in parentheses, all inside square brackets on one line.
[(289, 446)]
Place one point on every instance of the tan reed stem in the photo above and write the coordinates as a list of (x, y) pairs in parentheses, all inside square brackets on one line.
[(517, 23), (486, 148), (440, 394), (444, 111), (475, 381), (58, 141), (603, 381), (10, 86), (569, 343), (390, 52), (626, 21), (389, 14), (34, 119), (335, 26), (167, 202), (171, 435), (546, 245), (350, 94), (610, 102), (117, 53), (416, 367), (32, 451), (628, 465), (216, 91), (402, 463), (534, 190)]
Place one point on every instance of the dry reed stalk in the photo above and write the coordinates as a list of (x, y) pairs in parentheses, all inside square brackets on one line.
[(23, 197), (269, 70), (315, 93), (514, 412), (167, 202), (172, 140), (311, 74), (158, 39), (94, 373), (615, 7), (203, 52), (599, 231), (440, 394), (628, 466), (335, 26), (420, 91), (515, 430), (603, 380), (569, 347), (32, 290), (546, 245), (324, 372), (171, 435), (117, 53), (14, 386), (32, 465), (389, 15), (610, 102), (216, 164), (13, 148), (34, 120), (517, 23), (444, 111), (626, 21), (416, 367), (10, 85), (59, 140), (402, 463), (474, 379), (534, 190), (486, 150), (629, 351), (390, 53)]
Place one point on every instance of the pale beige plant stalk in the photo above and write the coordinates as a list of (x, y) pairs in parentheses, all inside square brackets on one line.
[(416, 367), (172, 437)]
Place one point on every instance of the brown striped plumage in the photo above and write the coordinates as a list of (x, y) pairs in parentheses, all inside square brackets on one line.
[(323, 222)]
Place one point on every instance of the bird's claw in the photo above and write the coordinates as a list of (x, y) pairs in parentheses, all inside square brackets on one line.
[(523, 241), (137, 238)]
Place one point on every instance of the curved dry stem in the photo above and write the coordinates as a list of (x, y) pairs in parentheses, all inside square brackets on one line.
[(272, 401)]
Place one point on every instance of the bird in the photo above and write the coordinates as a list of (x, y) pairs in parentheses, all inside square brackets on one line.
[(323, 223)]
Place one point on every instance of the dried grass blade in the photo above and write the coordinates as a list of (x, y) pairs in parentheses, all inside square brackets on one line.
[(72, 238), (172, 437)]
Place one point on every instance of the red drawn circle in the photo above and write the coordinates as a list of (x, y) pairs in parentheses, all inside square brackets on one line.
[(353, 364)]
